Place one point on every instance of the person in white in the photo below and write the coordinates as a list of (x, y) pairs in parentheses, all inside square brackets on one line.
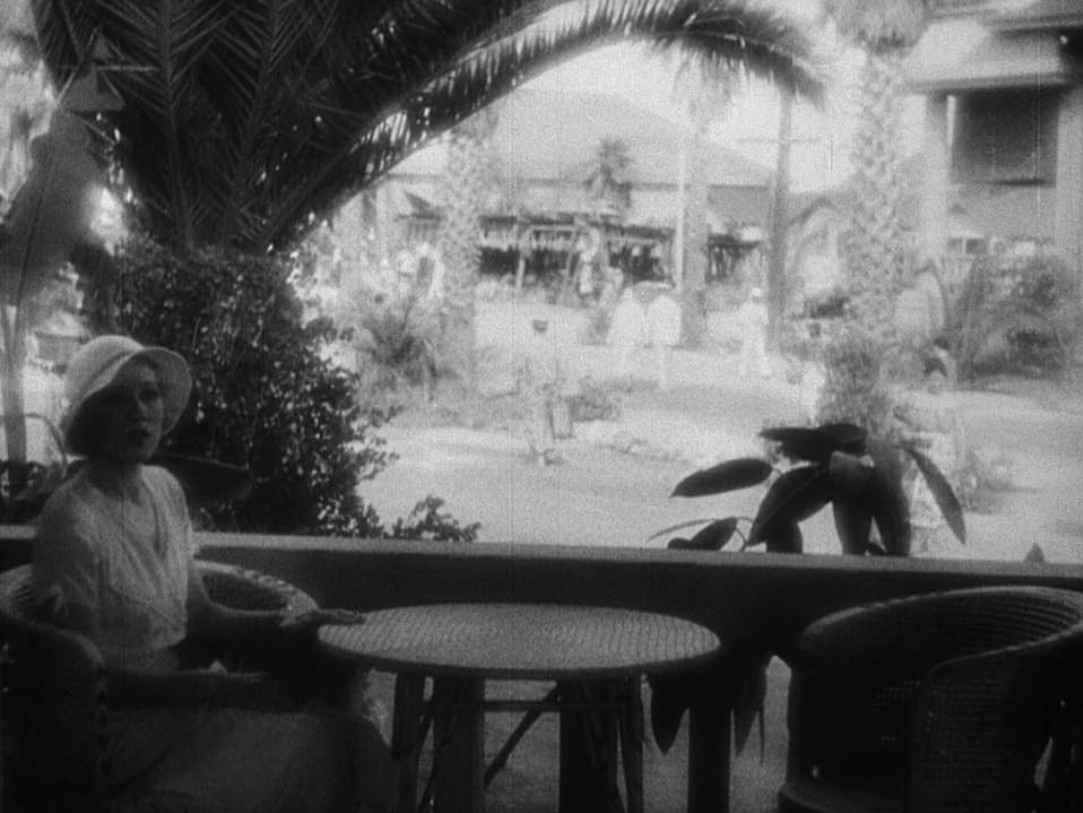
[(113, 561), (627, 331), (752, 322), (664, 331)]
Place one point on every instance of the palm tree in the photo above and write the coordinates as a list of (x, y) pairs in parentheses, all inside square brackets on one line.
[(876, 256), (246, 124), (468, 167), (707, 90), (608, 184)]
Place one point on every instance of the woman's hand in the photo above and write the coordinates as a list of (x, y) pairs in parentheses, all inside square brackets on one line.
[(310, 620), (248, 690)]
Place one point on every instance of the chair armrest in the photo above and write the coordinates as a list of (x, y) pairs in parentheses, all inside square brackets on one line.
[(58, 709)]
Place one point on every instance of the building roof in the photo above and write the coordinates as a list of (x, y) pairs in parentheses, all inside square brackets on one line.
[(1013, 14), (966, 54), (547, 136), (972, 45)]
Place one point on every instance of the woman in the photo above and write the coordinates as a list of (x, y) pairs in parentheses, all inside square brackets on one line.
[(114, 561), (933, 424)]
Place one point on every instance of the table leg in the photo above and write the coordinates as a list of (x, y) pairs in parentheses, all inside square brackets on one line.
[(407, 736), (709, 756), (588, 748), (458, 745), (632, 743)]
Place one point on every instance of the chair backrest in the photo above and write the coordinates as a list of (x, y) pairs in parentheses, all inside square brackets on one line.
[(954, 694), (57, 708)]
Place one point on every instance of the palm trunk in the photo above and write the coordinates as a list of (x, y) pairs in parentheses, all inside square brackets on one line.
[(876, 257), (461, 254), (697, 233), (13, 364), (777, 293)]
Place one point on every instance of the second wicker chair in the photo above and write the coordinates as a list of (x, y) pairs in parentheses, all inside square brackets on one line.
[(943, 702)]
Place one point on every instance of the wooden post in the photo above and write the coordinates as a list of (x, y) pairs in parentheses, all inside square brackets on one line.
[(709, 755), (407, 737), (459, 745), (588, 745)]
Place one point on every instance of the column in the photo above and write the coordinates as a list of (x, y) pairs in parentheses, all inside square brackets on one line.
[(934, 193), (1068, 225)]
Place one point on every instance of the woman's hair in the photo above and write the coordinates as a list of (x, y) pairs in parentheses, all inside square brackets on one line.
[(84, 432)]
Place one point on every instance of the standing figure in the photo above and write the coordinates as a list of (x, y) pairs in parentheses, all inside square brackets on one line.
[(664, 329), (114, 561), (933, 424), (752, 321), (627, 331)]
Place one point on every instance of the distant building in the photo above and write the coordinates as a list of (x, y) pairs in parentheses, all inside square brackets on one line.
[(1004, 123), (545, 143)]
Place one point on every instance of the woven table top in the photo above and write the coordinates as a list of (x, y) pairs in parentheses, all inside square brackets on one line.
[(521, 641)]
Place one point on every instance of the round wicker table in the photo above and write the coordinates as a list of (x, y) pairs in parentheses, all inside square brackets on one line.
[(595, 655)]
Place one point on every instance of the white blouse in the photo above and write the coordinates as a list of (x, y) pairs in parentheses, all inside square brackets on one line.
[(124, 565)]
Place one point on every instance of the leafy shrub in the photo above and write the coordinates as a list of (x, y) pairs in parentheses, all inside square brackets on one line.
[(264, 397), (593, 402), (854, 390), (1016, 315), (838, 464), (428, 522), (395, 339), (983, 479)]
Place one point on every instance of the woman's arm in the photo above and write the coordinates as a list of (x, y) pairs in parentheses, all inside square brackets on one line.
[(130, 688), (227, 626)]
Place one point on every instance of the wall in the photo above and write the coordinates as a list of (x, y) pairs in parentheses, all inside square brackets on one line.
[(749, 599)]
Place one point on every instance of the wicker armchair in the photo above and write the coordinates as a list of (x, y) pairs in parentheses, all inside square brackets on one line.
[(56, 701), (943, 702)]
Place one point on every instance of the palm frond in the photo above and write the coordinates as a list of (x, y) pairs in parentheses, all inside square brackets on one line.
[(246, 123)]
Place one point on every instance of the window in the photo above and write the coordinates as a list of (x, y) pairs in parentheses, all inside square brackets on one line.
[(1005, 136)]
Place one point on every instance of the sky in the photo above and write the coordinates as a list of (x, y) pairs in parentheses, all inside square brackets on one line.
[(820, 154)]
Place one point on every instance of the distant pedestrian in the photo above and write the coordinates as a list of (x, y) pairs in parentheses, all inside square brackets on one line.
[(628, 330), (664, 332), (752, 322)]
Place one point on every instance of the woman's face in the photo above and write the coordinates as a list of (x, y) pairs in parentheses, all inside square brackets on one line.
[(129, 414)]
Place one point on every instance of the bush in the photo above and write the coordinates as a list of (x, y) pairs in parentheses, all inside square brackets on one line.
[(854, 390), (1016, 315), (264, 397), (593, 402)]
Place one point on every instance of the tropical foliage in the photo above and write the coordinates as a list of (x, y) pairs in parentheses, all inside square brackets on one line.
[(1017, 314), (608, 184), (876, 252), (246, 124), (839, 464)]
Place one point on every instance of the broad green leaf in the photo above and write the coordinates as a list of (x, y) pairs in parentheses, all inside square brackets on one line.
[(794, 497), (853, 521), (712, 537), (850, 437), (850, 476), (802, 442), (942, 492), (888, 501), (741, 472), (785, 538), (668, 702), (748, 705)]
